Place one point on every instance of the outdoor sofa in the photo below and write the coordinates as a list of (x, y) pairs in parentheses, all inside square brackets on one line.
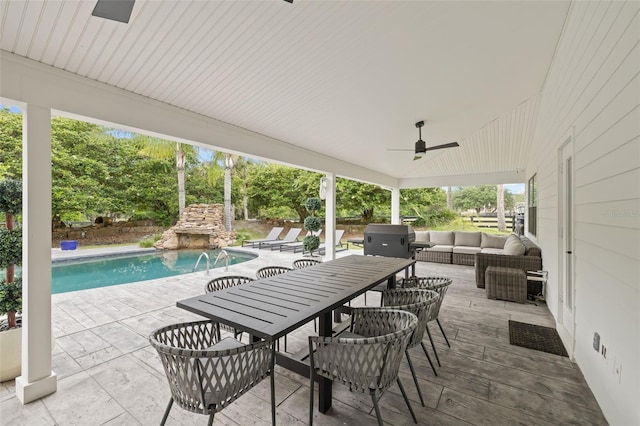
[(481, 250)]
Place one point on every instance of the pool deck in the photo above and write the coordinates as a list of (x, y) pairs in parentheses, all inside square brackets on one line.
[(108, 374)]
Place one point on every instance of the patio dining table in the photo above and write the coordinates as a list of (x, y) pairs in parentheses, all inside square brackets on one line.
[(270, 308)]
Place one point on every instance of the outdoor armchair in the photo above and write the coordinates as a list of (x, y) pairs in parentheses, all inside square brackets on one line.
[(419, 302), (206, 374), (368, 357), (440, 286)]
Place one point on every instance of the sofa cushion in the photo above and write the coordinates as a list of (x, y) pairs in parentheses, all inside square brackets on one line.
[(466, 250), (513, 246), (492, 251), (422, 236), (442, 248), (493, 241), (467, 239), (441, 237)]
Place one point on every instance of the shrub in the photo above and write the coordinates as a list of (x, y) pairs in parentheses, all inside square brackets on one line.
[(10, 247), (312, 223), (11, 296)]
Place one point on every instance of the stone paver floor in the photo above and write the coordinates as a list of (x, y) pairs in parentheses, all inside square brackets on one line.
[(109, 375)]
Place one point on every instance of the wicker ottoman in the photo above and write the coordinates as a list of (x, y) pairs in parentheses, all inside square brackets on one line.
[(506, 284)]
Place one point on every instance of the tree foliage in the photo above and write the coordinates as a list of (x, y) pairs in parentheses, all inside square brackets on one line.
[(360, 199), (478, 198), (274, 185)]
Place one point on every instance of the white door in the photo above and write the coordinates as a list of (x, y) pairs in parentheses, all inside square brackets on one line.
[(566, 273)]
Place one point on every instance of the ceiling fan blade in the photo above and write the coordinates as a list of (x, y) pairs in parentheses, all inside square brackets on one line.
[(446, 145), (115, 10), (399, 149)]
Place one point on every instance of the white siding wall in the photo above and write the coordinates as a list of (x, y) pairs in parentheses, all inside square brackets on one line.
[(593, 92)]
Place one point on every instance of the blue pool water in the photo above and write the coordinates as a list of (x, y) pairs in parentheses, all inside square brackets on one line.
[(93, 273)]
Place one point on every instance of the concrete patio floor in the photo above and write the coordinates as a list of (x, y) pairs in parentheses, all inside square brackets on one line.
[(109, 375)]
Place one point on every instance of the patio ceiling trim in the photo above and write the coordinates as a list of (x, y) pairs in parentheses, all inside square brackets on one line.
[(31, 82), (517, 176)]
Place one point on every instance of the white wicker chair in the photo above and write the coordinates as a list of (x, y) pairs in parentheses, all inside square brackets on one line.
[(368, 358), (419, 302), (206, 374), (440, 286)]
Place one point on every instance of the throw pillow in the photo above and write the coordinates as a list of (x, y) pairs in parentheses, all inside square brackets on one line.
[(493, 241), (513, 246)]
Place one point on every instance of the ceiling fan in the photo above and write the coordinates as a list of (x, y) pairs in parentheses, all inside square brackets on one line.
[(421, 147), (119, 10)]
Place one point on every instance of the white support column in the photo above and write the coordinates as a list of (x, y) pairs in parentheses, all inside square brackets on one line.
[(395, 206), (37, 379), (330, 217)]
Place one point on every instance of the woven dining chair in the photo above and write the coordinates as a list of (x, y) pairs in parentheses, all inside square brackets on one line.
[(205, 373), (272, 271), (440, 286), (419, 302), (305, 263), (220, 283), (367, 357)]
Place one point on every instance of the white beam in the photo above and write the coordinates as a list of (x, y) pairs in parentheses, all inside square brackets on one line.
[(37, 379), (330, 217), (516, 176), (395, 206)]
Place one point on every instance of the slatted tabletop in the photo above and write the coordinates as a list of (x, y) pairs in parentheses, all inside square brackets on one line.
[(271, 307)]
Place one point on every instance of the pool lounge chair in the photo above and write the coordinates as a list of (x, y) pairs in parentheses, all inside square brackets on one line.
[(272, 236), (340, 246), (297, 246), (291, 236)]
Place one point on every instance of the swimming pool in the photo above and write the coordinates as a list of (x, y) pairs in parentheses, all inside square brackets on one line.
[(76, 275)]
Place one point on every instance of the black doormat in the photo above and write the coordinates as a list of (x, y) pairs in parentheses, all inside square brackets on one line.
[(537, 337)]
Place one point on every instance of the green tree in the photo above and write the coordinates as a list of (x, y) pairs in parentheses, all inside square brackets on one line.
[(10, 144), (10, 250), (479, 198), (163, 149), (240, 183), (222, 167), (419, 199), (361, 197), (274, 185)]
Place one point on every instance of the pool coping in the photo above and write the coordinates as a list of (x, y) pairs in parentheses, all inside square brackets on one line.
[(61, 256)]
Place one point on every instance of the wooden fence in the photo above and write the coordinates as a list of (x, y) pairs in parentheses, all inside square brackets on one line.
[(491, 222)]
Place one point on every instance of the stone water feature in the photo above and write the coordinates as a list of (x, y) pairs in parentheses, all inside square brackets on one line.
[(201, 226)]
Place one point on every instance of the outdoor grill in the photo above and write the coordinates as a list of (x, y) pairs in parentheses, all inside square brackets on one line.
[(389, 240)]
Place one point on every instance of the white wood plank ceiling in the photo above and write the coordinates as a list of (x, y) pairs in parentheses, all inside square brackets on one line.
[(347, 79)]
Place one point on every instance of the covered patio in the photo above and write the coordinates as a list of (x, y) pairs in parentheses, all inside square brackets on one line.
[(537, 92), (109, 374)]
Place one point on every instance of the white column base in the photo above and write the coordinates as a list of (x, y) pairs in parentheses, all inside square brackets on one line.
[(28, 392)]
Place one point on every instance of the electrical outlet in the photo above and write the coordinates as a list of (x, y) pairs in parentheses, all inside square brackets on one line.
[(596, 342), (617, 369)]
